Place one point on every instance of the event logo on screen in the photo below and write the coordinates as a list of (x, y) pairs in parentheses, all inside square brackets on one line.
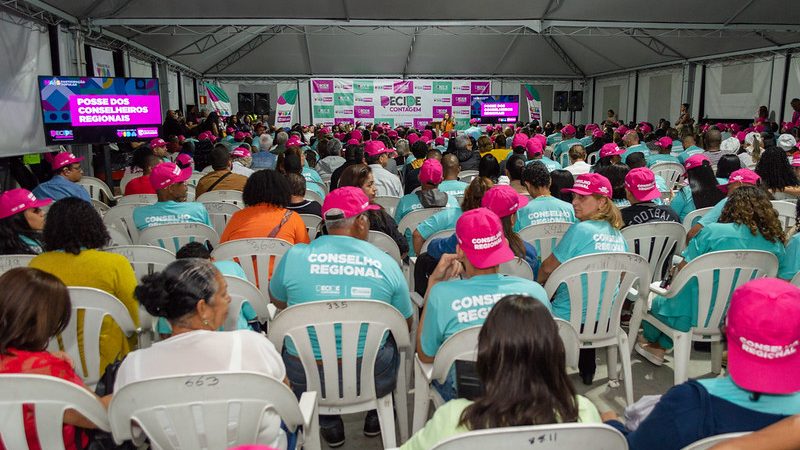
[(500, 109), (364, 112), (440, 111), (61, 135), (88, 110)]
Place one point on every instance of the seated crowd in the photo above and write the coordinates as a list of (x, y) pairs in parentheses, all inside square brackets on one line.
[(457, 206)]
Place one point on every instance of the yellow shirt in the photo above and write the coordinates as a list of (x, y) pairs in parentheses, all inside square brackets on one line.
[(499, 153), (108, 272)]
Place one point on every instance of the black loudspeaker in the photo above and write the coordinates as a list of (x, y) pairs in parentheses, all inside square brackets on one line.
[(560, 100), (575, 100), (246, 103), (261, 105)]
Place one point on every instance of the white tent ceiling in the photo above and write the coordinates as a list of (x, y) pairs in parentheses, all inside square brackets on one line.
[(502, 38)]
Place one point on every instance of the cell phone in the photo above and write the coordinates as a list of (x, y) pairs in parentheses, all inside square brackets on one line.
[(667, 281)]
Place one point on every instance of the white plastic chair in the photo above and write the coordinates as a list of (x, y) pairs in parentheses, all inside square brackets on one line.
[(256, 256), (117, 237), (592, 158), (51, 397), (8, 262), (138, 199), (220, 213), (657, 242), (145, 259), (609, 277), (386, 244), (707, 443), (544, 236), (412, 220), (174, 236), (564, 159), (96, 188), (388, 203), (313, 197), (350, 315), (96, 305), (694, 216), (545, 437), (120, 218), (312, 223), (100, 207), (192, 181), (467, 175), (671, 172), (786, 213), (190, 193), (734, 268), (517, 267), (223, 195), (210, 411), (438, 235), (240, 291)]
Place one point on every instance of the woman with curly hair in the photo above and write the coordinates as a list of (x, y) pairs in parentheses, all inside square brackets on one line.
[(748, 222), (777, 174)]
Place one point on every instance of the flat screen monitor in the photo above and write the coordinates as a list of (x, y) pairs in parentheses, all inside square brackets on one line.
[(491, 109), (83, 110)]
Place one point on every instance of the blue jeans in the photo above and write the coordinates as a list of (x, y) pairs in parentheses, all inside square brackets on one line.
[(387, 362), (447, 390)]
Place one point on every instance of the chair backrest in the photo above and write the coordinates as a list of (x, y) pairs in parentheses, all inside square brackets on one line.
[(96, 305), (592, 159), (564, 159), (656, 242), (462, 345), (213, 410), (220, 213), (312, 224), (256, 256), (517, 267), (467, 175), (671, 172), (323, 317), (8, 262), (313, 196), (388, 203), (707, 443), (411, 220), (51, 397), (191, 193), (138, 199), (438, 235), (571, 340), (175, 235), (206, 169), (240, 291), (544, 236), (694, 216), (386, 244), (222, 195), (96, 188), (786, 213), (548, 437), (118, 237), (145, 259), (120, 218), (100, 207), (718, 274), (608, 277), (192, 181)]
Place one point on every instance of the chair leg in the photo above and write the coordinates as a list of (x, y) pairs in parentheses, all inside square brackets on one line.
[(386, 419), (421, 399), (626, 366), (716, 357), (401, 399), (636, 321), (613, 370), (682, 352)]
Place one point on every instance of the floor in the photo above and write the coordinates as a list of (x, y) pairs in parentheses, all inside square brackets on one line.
[(648, 380)]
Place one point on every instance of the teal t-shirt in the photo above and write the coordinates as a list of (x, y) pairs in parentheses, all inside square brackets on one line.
[(548, 163), (712, 238), (554, 138), (586, 140), (790, 263), (459, 304), (584, 238), (713, 215), (693, 150), (658, 157), (338, 267), (544, 209), (453, 188), (311, 175), (725, 388), (635, 148), (442, 220), (564, 146), (683, 202), (169, 212), (410, 203)]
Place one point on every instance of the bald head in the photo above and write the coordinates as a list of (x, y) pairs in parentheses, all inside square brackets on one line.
[(713, 139), (451, 166)]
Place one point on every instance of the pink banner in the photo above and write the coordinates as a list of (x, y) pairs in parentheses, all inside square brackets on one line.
[(93, 110), (322, 86)]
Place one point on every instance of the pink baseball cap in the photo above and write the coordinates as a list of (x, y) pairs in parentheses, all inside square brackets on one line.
[(541, 138), (15, 201), (64, 159), (431, 172), (439, 140), (184, 160), (181, 138), (480, 236), (642, 184), (157, 142), (353, 142), (568, 129), (734, 127), (375, 148), (611, 149), (374, 135), (325, 130), (763, 329), (340, 136), (474, 121), (240, 152), (392, 134), (796, 158), (664, 142), (503, 200), (621, 130), (745, 176), (412, 138), (695, 161), (294, 141), (239, 136), (520, 139), (645, 128), (740, 136), (167, 174), (356, 134), (591, 183), (534, 147), (346, 202), (229, 130), (597, 133), (428, 134), (489, 129)]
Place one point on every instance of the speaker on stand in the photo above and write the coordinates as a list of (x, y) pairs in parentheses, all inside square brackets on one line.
[(246, 102)]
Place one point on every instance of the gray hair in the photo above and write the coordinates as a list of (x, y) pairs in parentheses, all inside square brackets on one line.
[(281, 138), (402, 147), (341, 224), (462, 141), (335, 147)]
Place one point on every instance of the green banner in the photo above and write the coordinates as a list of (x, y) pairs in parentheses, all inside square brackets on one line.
[(442, 87), (343, 99), (462, 124), (32, 158), (323, 111), (363, 86)]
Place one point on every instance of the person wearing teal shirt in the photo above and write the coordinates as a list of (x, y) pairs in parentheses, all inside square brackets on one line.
[(554, 138), (567, 141), (664, 146), (689, 149), (169, 181), (543, 207), (737, 178), (748, 208), (597, 232), (702, 191), (342, 265), (453, 187), (790, 264)]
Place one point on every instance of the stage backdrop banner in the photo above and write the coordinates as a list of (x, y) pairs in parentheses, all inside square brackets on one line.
[(534, 103), (396, 102), (218, 99)]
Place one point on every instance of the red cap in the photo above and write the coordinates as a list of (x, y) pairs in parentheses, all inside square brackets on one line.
[(346, 202), (591, 183)]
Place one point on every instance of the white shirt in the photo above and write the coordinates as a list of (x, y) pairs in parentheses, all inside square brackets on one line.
[(386, 183), (201, 351), (579, 168), (241, 170)]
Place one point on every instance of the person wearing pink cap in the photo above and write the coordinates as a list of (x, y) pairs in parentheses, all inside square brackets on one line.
[(567, 141), (386, 183), (536, 153), (222, 178), (450, 304), (67, 172), (632, 144), (342, 264), (21, 222), (597, 232), (796, 162), (762, 326), (169, 181), (703, 189), (610, 154), (641, 190), (159, 148), (241, 160), (664, 147)]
